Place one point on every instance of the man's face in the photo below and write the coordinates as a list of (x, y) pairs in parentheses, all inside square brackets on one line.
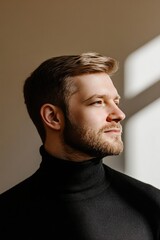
[(93, 122)]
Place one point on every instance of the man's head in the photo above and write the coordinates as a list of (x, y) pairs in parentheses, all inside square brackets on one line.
[(61, 82)]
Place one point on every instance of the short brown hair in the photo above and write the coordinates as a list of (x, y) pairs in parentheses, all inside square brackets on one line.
[(48, 82)]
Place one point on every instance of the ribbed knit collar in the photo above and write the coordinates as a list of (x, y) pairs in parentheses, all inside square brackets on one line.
[(85, 178)]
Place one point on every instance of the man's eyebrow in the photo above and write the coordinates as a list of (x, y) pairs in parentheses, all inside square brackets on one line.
[(117, 97), (94, 96)]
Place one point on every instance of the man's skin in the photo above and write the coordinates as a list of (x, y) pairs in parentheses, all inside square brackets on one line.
[(93, 120)]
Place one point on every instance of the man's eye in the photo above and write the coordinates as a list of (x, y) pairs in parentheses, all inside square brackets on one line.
[(99, 102), (117, 103)]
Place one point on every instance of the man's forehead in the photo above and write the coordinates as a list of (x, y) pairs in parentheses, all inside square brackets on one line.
[(96, 83)]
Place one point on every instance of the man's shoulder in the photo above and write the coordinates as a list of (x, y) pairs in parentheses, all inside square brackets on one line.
[(131, 186), (21, 192)]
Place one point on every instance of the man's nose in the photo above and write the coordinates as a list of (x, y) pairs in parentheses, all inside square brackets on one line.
[(116, 115)]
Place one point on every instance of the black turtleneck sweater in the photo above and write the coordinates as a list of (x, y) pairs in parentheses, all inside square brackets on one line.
[(79, 201)]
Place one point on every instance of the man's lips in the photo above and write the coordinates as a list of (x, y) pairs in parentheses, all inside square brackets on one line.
[(113, 130)]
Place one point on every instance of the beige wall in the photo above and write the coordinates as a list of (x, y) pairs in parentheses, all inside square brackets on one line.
[(34, 30)]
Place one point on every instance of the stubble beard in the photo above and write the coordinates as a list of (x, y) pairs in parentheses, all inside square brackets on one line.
[(94, 144)]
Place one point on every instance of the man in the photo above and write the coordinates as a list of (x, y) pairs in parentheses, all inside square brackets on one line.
[(75, 107)]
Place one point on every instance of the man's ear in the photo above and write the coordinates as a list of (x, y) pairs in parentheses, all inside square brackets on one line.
[(52, 116)]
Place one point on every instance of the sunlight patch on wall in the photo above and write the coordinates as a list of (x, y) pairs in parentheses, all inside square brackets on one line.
[(142, 68), (143, 144), (142, 130)]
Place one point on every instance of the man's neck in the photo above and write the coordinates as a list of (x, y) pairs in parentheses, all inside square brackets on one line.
[(66, 153)]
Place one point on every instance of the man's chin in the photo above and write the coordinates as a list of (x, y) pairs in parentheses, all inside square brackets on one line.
[(114, 148), (108, 150)]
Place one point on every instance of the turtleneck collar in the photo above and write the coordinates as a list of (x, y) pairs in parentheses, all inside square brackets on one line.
[(83, 178)]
